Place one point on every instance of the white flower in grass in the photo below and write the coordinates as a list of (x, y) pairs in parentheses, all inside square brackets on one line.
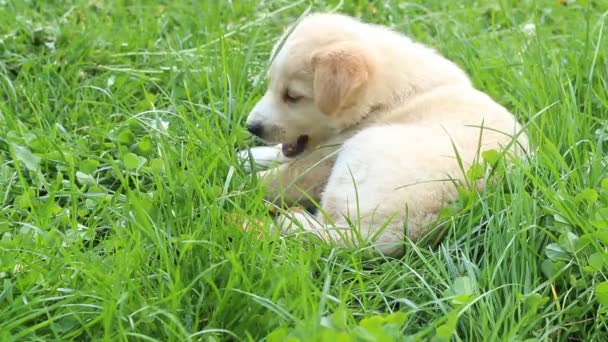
[(110, 81), (160, 124), (529, 29)]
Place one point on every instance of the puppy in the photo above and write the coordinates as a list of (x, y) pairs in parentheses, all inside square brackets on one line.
[(376, 128)]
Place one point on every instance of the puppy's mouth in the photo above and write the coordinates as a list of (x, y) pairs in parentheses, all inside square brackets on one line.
[(292, 150)]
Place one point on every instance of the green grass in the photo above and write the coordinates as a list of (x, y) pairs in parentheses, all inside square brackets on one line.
[(119, 122)]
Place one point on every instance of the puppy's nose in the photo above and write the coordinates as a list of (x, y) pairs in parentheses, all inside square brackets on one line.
[(255, 128)]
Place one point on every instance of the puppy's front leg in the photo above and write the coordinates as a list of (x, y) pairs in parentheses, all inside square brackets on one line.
[(297, 181), (261, 157)]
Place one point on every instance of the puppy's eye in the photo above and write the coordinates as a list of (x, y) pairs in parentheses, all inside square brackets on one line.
[(290, 97)]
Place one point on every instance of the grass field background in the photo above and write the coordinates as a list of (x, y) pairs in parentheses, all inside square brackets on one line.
[(119, 122)]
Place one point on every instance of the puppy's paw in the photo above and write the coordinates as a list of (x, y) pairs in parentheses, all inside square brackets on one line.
[(247, 224), (286, 221), (262, 157)]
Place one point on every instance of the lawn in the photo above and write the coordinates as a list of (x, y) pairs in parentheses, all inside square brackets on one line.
[(119, 126)]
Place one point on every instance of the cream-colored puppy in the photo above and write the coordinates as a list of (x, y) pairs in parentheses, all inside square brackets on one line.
[(369, 123)]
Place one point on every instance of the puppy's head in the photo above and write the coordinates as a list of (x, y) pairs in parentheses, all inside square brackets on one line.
[(317, 86)]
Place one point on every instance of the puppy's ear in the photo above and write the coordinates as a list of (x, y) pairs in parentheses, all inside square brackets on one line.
[(340, 72)]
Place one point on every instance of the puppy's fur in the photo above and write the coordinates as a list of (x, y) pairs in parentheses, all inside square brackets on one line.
[(384, 117)]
